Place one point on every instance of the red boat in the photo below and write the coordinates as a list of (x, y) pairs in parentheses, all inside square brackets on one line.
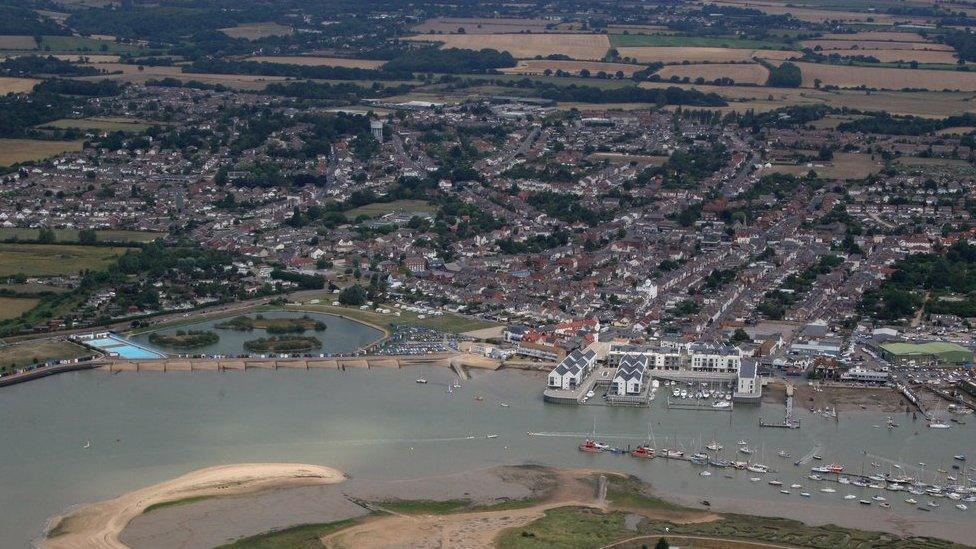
[(834, 468), (643, 452), (590, 446)]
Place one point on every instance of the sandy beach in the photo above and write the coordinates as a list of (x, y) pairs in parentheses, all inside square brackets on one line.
[(101, 524)]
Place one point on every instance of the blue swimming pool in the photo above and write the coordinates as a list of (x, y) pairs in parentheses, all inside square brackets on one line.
[(119, 346)]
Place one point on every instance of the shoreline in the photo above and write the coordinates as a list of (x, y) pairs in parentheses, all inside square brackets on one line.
[(472, 508), (101, 524)]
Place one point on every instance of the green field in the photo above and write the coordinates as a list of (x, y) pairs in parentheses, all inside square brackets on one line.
[(71, 235), (379, 209), (39, 351), (54, 259), (74, 44), (446, 323), (639, 40), (101, 124)]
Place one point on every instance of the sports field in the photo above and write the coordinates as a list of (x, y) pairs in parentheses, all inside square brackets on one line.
[(39, 351)]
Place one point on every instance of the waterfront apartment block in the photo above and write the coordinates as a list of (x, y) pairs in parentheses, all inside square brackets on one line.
[(571, 371), (695, 357)]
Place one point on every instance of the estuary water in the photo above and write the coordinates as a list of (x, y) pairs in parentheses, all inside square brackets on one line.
[(340, 336), (147, 427)]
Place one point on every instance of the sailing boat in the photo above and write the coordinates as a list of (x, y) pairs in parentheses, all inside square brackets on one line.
[(422, 379), (457, 383)]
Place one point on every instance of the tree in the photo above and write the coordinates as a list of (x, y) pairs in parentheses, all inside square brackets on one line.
[(662, 544), (354, 295), (740, 336), (46, 236), (87, 236)]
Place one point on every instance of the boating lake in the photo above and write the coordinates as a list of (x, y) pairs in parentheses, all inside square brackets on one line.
[(147, 427), (340, 336)]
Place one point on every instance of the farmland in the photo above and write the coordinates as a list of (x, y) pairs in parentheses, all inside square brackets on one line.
[(54, 259), (739, 72), (12, 307), (642, 40), (670, 54), (540, 66), (472, 25), (886, 78), (820, 15), (16, 85), (82, 44), (314, 61), (253, 31), (71, 235), (17, 43), (100, 124), (15, 151), (526, 46), (73, 57)]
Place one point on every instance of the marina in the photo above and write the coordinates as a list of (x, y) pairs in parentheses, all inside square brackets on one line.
[(153, 426)]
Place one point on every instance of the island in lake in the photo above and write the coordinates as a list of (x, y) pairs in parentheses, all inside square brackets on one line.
[(273, 325), (185, 339), (282, 344)]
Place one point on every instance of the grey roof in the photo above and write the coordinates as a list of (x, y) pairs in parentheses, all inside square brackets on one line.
[(575, 362), (747, 368), (632, 367)]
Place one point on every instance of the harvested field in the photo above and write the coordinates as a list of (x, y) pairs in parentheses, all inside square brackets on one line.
[(131, 73), (874, 45), (760, 99), (12, 307), (843, 166), (739, 72), (527, 46), (667, 54), (890, 56), (253, 31), (14, 151), (54, 259), (310, 61), (481, 25), (539, 66), (886, 78), (17, 43), (962, 130), (16, 85)]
